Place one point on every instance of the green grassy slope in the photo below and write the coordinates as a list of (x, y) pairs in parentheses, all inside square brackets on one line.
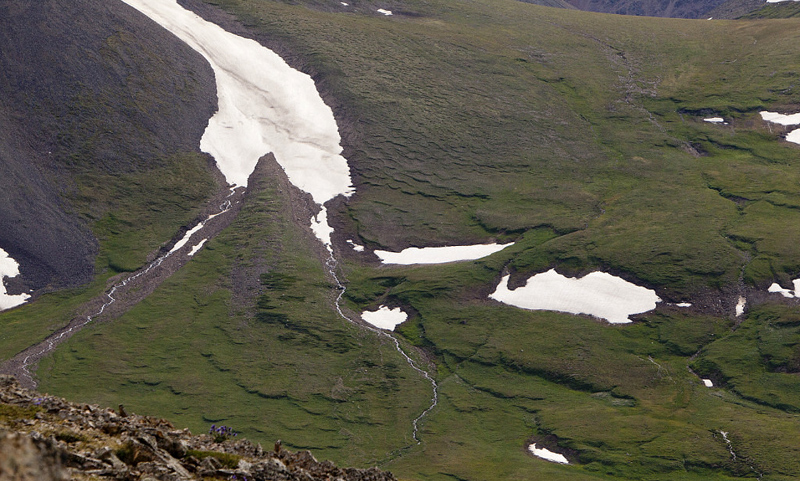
[(581, 137)]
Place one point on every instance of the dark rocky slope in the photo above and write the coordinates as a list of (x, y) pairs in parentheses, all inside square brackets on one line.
[(47, 438), (85, 87), (670, 8)]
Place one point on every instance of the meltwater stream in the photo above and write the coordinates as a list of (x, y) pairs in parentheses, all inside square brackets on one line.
[(35, 353), (267, 106)]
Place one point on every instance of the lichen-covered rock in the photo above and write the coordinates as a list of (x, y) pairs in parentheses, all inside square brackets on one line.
[(47, 438), (23, 459)]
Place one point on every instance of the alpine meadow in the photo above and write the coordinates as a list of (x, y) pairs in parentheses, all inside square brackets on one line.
[(650, 163)]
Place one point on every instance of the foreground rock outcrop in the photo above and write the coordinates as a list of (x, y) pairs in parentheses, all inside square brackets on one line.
[(47, 438)]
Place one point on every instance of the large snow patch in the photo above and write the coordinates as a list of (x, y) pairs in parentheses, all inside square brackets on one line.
[(598, 294), (439, 255), (264, 106)]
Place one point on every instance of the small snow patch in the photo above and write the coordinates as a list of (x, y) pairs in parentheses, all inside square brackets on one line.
[(186, 238), (547, 454), (715, 120), (740, 306), (197, 247), (385, 12), (708, 383), (794, 135), (385, 318), (9, 268), (776, 288), (356, 247), (439, 255), (345, 4), (684, 304)]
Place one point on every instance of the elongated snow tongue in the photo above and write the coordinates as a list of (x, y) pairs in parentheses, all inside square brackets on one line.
[(439, 255), (264, 106)]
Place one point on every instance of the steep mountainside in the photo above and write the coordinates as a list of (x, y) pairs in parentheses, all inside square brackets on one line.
[(671, 8), (649, 8), (90, 92)]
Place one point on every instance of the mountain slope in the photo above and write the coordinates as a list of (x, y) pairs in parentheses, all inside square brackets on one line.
[(84, 96), (582, 138)]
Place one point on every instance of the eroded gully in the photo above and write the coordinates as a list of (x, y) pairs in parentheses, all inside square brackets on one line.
[(125, 293)]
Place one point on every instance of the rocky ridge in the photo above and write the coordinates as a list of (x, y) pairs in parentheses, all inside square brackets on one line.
[(47, 438)]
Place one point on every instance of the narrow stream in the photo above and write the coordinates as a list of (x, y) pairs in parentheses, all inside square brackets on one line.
[(266, 106), (50, 342), (331, 264)]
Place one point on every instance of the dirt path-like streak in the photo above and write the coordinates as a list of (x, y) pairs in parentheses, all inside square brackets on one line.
[(126, 293), (331, 264)]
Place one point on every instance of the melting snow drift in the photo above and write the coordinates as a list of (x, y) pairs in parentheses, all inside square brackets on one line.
[(708, 383), (197, 247), (385, 318), (782, 119), (598, 294), (439, 255), (356, 247), (740, 305), (547, 454), (9, 268), (264, 106)]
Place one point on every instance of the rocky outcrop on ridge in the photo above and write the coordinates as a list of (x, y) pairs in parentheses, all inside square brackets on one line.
[(46, 438)]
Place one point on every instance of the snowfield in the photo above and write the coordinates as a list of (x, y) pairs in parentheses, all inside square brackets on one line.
[(264, 106), (597, 294), (439, 255), (385, 318)]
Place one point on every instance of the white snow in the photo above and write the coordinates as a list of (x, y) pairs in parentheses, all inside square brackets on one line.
[(776, 288), (264, 106), (345, 4), (790, 293), (356, 247), (385, 12), (794, 135), (439, 255), (684, 304), (708, 383), (197, 247), (715, 120), (385, 318), (547, 454), (9, 268), (782, 119), (186, 237), (598, 294), (778, 1), (740, 306)]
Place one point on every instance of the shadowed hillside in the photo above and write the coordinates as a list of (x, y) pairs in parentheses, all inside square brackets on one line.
[(90, 92)]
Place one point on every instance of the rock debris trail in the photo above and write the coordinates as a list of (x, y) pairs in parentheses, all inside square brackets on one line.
[(331, 264), (125, 294)]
